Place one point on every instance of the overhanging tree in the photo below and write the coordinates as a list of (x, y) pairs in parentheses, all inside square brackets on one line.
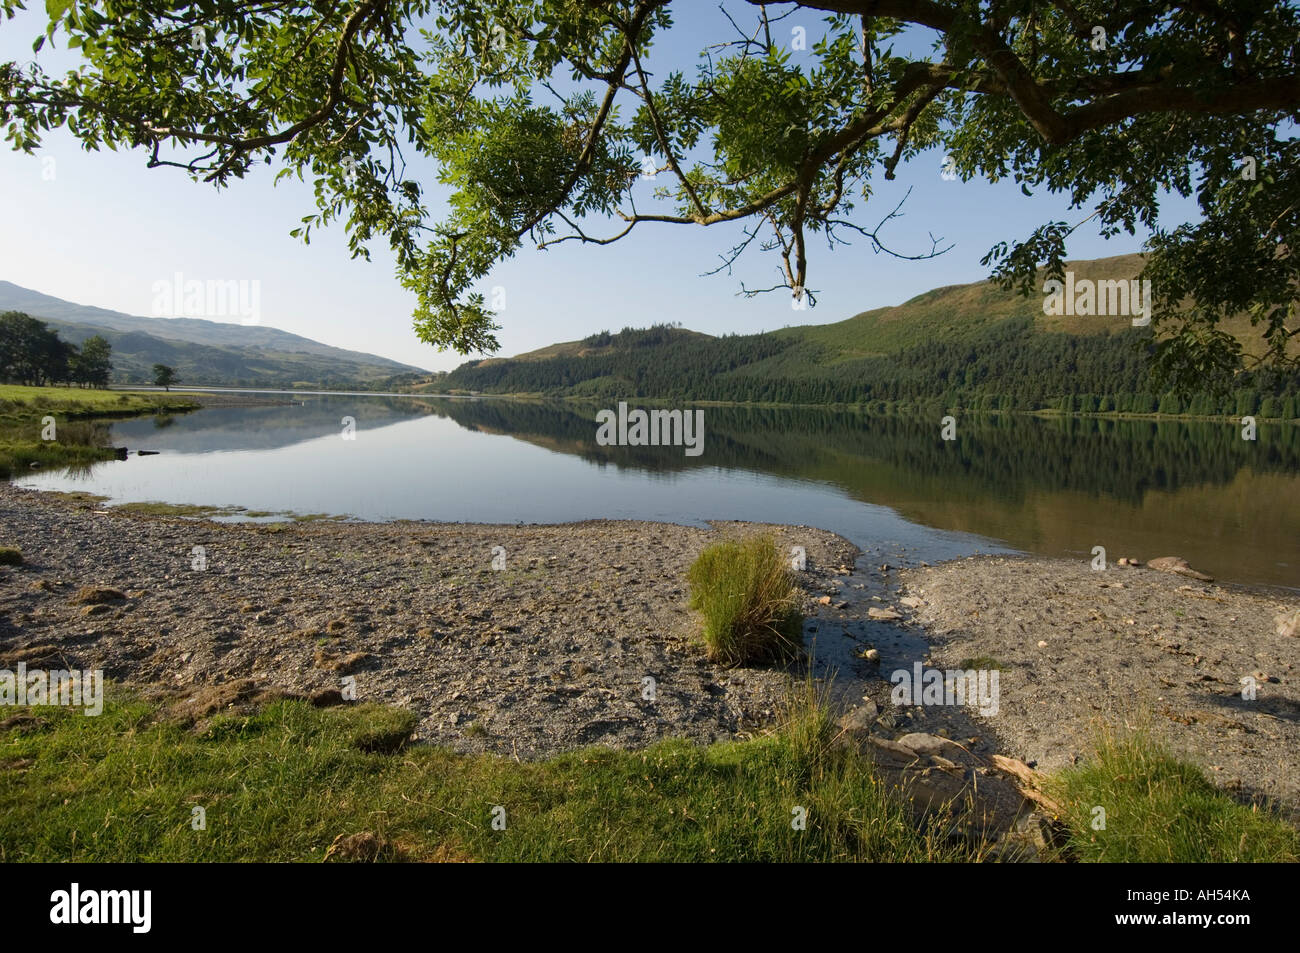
[(539, 115)]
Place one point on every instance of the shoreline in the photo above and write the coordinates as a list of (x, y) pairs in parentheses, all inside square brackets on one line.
[(550, 653)]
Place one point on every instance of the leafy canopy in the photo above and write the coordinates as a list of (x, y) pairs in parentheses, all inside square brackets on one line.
[(541, 115)]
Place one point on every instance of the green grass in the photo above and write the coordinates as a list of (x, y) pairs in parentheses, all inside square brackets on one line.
[(204, 511), (985, 663), (748, 600), (187, 510), (1159, 809), (282, 784), (81, 436)]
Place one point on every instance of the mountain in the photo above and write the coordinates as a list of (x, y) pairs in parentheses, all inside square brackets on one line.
[(971, 346), (208, 352)]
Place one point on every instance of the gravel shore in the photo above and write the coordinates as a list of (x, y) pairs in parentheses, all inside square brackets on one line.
[(548, 654), (1080, 649)]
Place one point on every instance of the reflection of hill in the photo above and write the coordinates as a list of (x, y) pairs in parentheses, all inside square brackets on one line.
[(262, 428), (997, 457), (1138, 487)]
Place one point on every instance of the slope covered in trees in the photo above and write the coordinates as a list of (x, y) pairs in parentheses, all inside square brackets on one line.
[(965, 346)]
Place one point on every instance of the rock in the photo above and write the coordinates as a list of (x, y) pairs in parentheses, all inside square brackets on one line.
[(889, 721), (929, 745), (860, 718), (1288, 623), (871, 655), (824, 601), (1027, 841), (911, 602), (1042, 644), (1177, 564), (889, 754), (883, 615)]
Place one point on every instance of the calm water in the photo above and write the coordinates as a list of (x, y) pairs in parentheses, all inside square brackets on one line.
[(889, 484)]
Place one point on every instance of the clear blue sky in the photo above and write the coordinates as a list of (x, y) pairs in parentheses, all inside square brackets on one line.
[(104, 229)]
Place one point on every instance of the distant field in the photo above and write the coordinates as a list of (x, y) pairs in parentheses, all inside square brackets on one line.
[(78, 438), (77, 400)]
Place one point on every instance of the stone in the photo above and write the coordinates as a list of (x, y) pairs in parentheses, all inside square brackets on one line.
[(860, 718), (883, 615), (1177, 564), (1288, 623), (824, 601), (885, 753), (928, 745), (911, 602)]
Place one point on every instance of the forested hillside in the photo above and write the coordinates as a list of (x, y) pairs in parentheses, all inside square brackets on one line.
[(966, 346)]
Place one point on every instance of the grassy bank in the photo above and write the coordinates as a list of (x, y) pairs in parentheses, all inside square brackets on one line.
[(288, 781), (1134, 802), (81, 435)]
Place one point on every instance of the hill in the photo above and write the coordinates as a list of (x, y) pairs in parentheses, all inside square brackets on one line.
[(208, 352), (973, 346)]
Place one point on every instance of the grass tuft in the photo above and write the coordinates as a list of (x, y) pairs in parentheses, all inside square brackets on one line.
[(749, 602)]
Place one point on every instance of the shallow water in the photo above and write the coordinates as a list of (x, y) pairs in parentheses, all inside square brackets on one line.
[(891, 485)]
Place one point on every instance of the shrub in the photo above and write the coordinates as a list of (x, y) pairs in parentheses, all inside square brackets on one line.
[(749, 601), (10, 556)]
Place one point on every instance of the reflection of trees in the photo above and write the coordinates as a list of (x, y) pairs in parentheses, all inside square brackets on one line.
[(268, 428), (1004, 456)]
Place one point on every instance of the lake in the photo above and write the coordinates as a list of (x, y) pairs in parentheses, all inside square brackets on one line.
[(1056, 487)]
